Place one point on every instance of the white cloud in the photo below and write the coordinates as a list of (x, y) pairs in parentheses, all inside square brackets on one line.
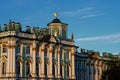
[(89, 16), (78, 12), (112, 38), (84, 13)]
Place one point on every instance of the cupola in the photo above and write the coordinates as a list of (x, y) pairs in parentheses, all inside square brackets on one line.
[(57, 28)]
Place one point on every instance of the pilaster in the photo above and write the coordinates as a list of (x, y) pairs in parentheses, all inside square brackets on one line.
[(12, 58), (42, 74), (50, 62), (63, 64), (96, 70), (73, 62), (34, 59), (58, 75)]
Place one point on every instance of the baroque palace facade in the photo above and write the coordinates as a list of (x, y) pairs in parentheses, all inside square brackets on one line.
[(90, 65), (46, 53), (39, 53)]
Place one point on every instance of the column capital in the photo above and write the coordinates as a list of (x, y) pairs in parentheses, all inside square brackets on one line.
[(34, 49), (50, 51), (42, 50), (73, 54), (11, 46)]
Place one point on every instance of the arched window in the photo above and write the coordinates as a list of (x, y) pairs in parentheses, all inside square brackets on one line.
[(67, 70), (27, 68), (4, 68), (37, 69), (18, 67)]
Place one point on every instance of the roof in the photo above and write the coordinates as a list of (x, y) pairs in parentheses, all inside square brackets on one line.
[(56, 20), (47, 38)]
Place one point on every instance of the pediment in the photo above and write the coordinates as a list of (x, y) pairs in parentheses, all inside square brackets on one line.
[(53, 39)]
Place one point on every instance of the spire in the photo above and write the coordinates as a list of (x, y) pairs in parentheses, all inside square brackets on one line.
[(10, 25), (72, 36)]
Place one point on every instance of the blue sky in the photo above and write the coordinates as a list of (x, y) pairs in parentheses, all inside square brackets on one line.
[(95, 23)]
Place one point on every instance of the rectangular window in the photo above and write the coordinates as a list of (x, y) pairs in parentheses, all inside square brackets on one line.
[(27, 49), (18, 49), (4, 50)]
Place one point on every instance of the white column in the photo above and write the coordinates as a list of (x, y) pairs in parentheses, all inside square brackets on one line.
[(100, 70), (14, 60), (11, 59), (70, 71), (34, 59), (96, 70), (73, 63), (63, 64), (8, 58), (21, 46), (40, 68), (69, 53), (58, 63), (42, 59), (50, 61), (48, 68)]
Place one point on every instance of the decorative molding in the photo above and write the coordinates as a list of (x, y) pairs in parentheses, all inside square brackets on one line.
[(58, 52), (11, 46), (42, 50), (11, 73), (34, 49), (73, 54), (50, 51)]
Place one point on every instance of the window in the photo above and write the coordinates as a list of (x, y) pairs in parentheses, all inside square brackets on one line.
[(18, 67), (61, 54), (37, 69), (27, 49), (18, 49), (67, 54), (45, 53), (27, 68), (45, 69), (67, 70), (53, 53), (4, 49), (61, 70), (4, 68), (53, 70)]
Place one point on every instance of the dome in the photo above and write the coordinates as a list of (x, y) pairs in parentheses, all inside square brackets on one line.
[(55, 21)]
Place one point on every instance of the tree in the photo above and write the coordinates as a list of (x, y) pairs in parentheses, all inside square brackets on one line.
[(113, 72)]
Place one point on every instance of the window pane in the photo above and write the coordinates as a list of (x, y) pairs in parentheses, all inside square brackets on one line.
[(4, 68), (28, 50), (4, 49)]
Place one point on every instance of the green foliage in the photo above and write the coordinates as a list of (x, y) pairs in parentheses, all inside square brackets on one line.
[(113, 71)]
